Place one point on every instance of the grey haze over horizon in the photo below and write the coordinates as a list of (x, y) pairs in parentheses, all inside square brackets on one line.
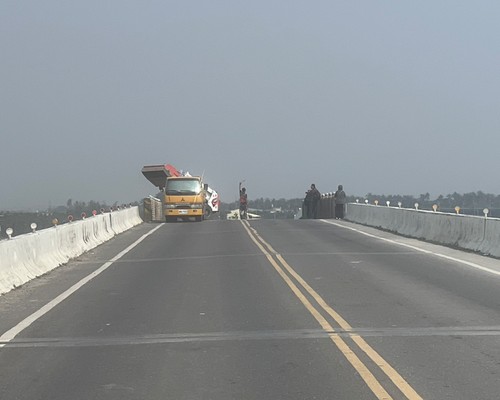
[(382, 97)]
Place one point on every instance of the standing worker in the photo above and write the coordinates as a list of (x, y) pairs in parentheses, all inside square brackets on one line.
[(243, 202), (315, 197), (340, 200), (307, 205)]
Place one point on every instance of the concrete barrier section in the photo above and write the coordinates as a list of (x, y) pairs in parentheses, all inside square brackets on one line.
[(463, 231), (25, 257)]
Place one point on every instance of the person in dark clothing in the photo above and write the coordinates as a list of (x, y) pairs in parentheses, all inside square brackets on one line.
[(340, 201), (307, 205), (315, 197), (243, 202)]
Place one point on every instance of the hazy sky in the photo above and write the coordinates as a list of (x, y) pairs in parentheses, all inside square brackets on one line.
[(387, 97)]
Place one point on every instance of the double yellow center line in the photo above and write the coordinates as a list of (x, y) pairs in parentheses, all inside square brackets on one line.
[(287, 273)]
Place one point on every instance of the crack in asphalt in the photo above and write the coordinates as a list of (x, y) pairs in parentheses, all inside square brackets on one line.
[(298, 334)]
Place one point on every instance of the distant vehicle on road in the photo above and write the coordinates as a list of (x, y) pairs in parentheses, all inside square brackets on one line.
[(185, 196)]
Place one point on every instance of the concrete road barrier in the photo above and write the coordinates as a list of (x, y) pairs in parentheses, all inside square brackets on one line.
[(463, 231), (25, 257)]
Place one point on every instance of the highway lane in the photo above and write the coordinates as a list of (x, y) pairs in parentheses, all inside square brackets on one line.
[(269, 309), (434, 320)]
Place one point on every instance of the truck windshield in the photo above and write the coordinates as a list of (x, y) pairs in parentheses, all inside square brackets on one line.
[(183, 186)]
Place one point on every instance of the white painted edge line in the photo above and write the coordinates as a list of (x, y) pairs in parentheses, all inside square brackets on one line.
[(16, 330), (458, 260)]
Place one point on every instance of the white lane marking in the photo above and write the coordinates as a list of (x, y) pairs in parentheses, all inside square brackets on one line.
[(449, 258), (16, 330)]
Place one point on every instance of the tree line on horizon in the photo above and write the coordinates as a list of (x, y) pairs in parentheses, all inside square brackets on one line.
[(20, 221), (471, 203)]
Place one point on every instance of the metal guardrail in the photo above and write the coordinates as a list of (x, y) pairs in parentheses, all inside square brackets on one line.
[(325, 207)]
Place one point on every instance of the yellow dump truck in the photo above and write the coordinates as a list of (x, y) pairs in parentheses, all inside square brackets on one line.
[(185, 196)]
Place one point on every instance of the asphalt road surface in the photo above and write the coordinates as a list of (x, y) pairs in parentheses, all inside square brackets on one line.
[(269, 309)]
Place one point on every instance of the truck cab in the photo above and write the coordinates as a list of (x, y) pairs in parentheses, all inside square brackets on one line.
[(185, 197)]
